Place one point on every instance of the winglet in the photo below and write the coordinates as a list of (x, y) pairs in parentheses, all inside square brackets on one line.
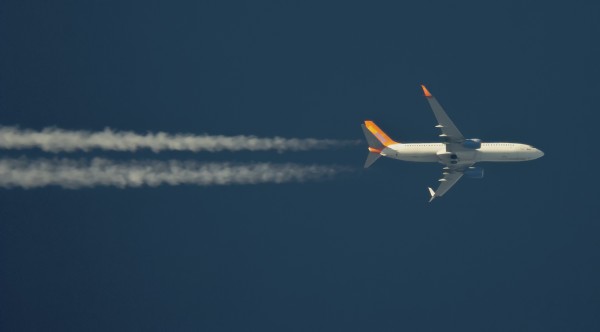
[(426, 92), (432, 193)]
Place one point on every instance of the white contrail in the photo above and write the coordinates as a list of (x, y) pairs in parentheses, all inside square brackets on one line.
[(60, 140), (73, 174)]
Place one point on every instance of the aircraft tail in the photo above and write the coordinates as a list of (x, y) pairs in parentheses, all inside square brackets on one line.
[(372, 157), (377, 141)]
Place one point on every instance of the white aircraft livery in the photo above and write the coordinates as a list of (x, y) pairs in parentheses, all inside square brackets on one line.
[(456, 153)]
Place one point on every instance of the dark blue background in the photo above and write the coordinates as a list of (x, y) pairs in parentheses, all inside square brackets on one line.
[(517, 251)]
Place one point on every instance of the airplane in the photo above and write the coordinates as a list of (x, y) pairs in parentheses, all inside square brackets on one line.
[(456, 153)]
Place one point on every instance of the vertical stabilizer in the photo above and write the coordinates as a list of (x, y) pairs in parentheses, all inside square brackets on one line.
[(377, 140), (371, 139), (375, 136)]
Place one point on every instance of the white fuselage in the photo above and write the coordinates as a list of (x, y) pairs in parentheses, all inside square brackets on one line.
[(436, 152)]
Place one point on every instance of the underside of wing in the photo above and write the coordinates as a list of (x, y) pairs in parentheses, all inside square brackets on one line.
[(445, 184), (450, 175), (450, 132)]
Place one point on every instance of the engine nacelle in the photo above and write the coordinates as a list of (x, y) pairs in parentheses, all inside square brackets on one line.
[(474, 172), (473, 143)]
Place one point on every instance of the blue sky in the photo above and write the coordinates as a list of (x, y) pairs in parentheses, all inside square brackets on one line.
[(517, 250)]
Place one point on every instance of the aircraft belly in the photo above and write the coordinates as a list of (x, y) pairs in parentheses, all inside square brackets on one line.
[(417, 156), (425, 159), (499, 156)]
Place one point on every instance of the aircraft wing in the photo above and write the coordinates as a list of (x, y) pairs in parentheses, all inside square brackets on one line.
[(450, 133), (451, 176)]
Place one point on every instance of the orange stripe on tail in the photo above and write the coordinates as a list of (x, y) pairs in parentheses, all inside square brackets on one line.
[(379, 134), (426, 92)]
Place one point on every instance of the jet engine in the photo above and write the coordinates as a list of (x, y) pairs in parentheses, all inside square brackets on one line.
[(473, 143), (474, 172)]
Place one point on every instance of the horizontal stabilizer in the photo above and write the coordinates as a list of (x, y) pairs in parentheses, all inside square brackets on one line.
[(371, 158)]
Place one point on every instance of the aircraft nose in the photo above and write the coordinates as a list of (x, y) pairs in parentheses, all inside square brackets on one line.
[(539, 153)]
